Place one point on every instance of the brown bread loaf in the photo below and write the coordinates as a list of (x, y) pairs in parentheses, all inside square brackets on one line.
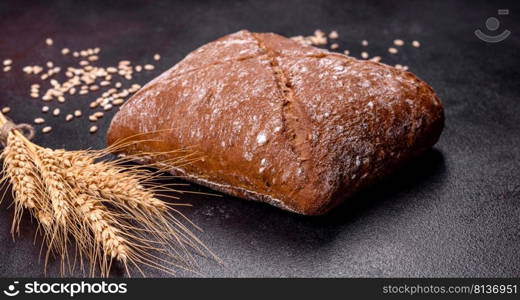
[(291, 125)]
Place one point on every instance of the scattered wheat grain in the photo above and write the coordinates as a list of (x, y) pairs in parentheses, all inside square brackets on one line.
[(398, 42), (376, 58), (118, 101), (27, 69)]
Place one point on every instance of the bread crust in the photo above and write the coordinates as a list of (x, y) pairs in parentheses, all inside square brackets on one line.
[(291, 125)]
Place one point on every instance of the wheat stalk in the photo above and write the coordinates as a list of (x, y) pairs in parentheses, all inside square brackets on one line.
[(98, 208)]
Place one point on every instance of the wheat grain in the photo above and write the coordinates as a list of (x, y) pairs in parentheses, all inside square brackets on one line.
[(398, 42), (39, 121), (376, 58), (118, 101)]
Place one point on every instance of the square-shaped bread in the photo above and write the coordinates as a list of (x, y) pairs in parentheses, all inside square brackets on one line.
[(280, 122)]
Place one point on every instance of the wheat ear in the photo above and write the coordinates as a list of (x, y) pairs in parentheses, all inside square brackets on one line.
[(123, 189), (105, 211), (110, 243), (27, 187)]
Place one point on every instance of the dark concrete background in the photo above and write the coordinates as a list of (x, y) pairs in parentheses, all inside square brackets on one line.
[(453, 212)]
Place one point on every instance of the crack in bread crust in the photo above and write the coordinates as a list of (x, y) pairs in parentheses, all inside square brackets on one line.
[(294, 118)]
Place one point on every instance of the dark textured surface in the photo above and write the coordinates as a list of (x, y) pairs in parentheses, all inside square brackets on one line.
[(452, 212)]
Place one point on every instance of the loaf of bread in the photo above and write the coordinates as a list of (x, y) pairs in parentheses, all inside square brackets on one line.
[(279, 122)]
